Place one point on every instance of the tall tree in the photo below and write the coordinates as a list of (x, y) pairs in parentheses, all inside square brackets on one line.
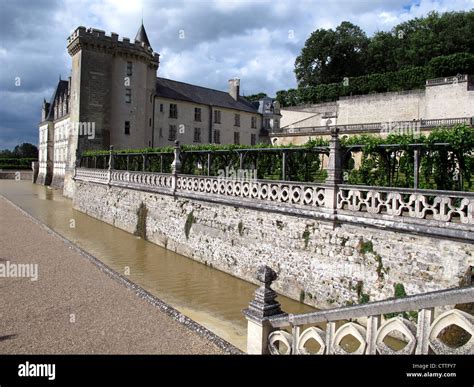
[(331, 55), (25, 150)]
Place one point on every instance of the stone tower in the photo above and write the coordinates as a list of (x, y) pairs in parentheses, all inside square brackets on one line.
[(112, 88)]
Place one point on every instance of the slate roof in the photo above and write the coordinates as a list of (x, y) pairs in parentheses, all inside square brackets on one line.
[(166, 88), (61, 89), (141, 36)]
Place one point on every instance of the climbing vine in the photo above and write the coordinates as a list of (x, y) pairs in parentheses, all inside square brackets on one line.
[(387, 162)]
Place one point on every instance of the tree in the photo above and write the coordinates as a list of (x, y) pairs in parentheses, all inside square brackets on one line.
[(331, 55), (26, 150), (382, 53), (255, 97), (6, 153)]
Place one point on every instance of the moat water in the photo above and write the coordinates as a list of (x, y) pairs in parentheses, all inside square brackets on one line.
[(212, 298)]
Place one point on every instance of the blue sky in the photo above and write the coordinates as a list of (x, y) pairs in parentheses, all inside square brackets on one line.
[(205, 42)]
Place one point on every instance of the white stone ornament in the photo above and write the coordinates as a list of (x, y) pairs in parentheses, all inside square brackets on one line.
[(452, 317), (398, 324), (356, 330), (316, 334), (280, 336)]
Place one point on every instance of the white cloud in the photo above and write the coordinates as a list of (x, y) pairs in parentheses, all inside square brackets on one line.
[(256, 40)]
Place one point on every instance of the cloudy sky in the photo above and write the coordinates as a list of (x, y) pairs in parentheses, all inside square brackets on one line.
[(205, 42)]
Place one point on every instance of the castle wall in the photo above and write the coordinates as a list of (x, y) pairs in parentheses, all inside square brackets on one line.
[(381, 108), (46, 147), (308, 253), (139, 111), (74, 116), (60, 150), (450, 100)]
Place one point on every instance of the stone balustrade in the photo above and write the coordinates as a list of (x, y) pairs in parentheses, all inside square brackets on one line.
[(446, 213), (445, 206), (304, 194), (429, 207), (373, 127), (272, 331)]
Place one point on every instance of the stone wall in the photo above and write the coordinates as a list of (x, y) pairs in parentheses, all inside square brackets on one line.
[(17, 175), (446, 100), (317, 262)]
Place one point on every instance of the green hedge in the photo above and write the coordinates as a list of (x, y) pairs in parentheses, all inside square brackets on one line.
[(16, 163), (405, 79)]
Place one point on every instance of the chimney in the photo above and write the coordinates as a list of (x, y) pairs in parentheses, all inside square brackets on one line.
[(234, 88)]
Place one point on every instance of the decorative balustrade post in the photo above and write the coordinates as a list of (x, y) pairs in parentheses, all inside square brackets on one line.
[(416, 168), (283, 166), (77, 162), (111, 164), (260, 309), (334, 171), (176, 165)]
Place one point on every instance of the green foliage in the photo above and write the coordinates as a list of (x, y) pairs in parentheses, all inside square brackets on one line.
[(399, 292), (255, 97), (380, 269), (20, 158), (190, 220), (330, 55), (407, 78), (441, 167), (366, 247), (26, 150), (300, 166), (302, 295), (142, 213), (16, 163), (364, 298), (241, 228)]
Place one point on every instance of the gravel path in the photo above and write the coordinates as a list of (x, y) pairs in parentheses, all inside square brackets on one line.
[(74, 308)]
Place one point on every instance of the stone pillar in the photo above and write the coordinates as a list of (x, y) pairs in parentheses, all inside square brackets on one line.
[(334, 170), (35, 168), (111, 164), (416, 167), (176, 165), (260, 309)]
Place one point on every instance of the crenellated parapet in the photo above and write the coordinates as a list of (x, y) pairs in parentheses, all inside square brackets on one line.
[(97, 40)]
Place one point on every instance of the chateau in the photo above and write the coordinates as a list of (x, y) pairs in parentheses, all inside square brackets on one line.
[(114, 97)]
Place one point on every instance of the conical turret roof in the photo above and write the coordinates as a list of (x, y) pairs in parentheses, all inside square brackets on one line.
[(142, 36)]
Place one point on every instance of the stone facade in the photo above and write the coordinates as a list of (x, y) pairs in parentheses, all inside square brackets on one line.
[(446, 98), (318, 261), (114, 87), (188, 130)]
